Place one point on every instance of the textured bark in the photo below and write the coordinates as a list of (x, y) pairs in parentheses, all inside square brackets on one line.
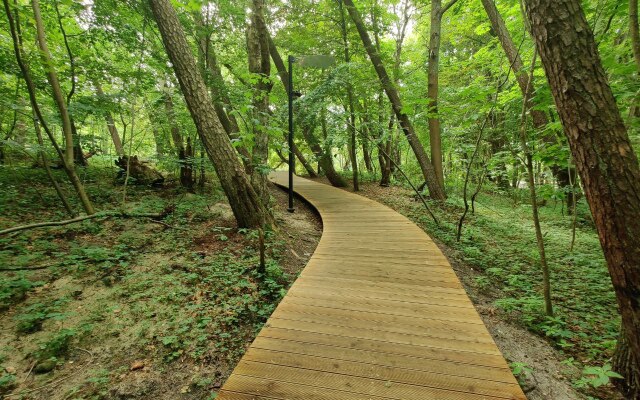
[(599, 143), (111, 126), (435, 189), (245, 203), (435, 140), (259, 64)]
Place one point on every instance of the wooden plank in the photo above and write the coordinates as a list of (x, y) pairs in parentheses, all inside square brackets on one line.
[(446, 367), (378, 313), (352, 384), (391, 375), (395, 348)]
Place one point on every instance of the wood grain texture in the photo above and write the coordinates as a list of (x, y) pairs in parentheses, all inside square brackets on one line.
[(377, 313)]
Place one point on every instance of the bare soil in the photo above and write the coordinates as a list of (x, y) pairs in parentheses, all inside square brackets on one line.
[(122, 356)]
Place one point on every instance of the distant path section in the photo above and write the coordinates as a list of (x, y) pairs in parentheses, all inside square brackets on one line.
[(377, 313)]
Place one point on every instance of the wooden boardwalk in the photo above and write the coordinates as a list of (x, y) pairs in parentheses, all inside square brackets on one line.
[(377, 313)]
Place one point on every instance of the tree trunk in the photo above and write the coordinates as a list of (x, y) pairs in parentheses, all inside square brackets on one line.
[(219, 92), (186, 167), (45, 164), (245, 203), (435, 140), (633, 31), (435, 189), (325, 161), (539, 117), (351, 116), (546, 275), (111, 125), (14, 27), (52, 77), (259, 64), (600, 146)]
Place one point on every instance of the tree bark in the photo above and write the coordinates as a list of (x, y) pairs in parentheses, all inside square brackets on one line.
[(435, 189), (219, 90), (435, 140), (600, 146), (245, 203)]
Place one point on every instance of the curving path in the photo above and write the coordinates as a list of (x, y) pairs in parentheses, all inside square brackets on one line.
[(378, 313)]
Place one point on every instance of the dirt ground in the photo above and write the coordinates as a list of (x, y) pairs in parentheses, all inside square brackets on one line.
[(123, 356)]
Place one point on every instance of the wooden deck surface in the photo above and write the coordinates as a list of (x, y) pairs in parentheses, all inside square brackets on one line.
[(377, 313)]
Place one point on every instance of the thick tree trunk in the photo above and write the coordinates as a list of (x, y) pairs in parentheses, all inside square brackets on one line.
[(600, 146), (219, 92), (245, 203), (325, 160), (435, 189)]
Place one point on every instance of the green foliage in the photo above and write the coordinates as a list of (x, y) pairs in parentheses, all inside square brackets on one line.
[(15, 288), (594, 376), (31, 318), (57, 345)]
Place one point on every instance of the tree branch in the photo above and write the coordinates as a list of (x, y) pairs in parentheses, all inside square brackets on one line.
[(105, 214)]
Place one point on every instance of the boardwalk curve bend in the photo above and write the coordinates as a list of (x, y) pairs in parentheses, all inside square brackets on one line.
[(377, 313)]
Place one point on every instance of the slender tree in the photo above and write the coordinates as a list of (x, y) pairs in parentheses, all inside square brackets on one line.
[(601, 149), (245, 203), (435, 189), (260, 65), (325, 160), (435, 139), (66, 157), (350, 114), (527, 87)]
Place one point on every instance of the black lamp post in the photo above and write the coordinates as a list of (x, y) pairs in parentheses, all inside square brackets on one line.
[(316, 61)]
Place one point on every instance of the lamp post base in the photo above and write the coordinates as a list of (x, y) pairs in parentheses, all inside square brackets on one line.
[(291, 209)]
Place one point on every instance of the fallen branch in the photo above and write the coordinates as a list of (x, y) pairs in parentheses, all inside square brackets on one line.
[(37, 267), (104, 214)]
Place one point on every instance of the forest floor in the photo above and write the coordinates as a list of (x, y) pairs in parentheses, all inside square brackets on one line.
[(562, 357), (127, 308)]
